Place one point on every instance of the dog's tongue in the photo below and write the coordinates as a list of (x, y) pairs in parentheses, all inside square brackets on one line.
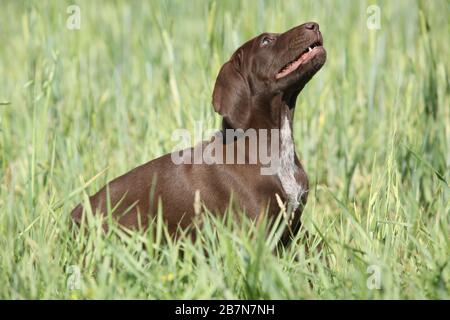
[(294, 64)]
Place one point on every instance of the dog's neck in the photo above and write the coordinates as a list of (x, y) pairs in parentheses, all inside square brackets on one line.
[(282, 115), (278, 113), (269, 114)]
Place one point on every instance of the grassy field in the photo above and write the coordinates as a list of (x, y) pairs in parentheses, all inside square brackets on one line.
[(79, 107)]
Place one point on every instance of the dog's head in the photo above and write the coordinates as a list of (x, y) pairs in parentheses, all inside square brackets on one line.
[(268, 65)]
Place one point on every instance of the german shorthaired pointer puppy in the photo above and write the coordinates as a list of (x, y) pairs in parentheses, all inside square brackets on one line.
[(255, 90)]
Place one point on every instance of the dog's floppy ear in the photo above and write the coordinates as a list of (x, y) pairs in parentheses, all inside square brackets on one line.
[(231, 95)]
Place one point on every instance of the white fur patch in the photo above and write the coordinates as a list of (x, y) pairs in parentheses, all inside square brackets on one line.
[(287, 169)]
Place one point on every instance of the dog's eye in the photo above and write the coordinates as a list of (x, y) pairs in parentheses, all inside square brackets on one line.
[(265, 41)]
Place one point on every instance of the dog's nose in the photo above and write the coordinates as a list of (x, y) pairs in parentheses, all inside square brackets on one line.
[(312, 26)]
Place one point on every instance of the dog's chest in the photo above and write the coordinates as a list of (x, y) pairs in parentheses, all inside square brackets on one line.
[(288, 168)]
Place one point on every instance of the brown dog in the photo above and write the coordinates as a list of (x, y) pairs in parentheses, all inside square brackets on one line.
[(255, 90)]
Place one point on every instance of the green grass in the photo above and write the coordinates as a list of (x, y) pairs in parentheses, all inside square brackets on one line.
[(372, 130)]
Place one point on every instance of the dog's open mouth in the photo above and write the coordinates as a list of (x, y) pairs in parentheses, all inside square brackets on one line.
[(305, 56)]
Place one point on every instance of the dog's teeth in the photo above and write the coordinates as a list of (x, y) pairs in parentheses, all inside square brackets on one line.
[(309, 49)]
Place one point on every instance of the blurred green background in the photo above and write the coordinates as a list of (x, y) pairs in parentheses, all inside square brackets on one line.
[(372, 130)]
